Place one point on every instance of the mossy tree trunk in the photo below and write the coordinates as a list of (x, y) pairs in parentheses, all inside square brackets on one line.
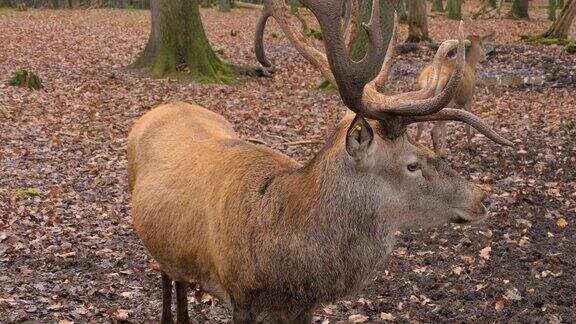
[(552, 10), (417, 22), (400, 6), (178, 43), (561, 26), (437, 6), (519, 10), (454, 9), (386, 20), (491, 3)]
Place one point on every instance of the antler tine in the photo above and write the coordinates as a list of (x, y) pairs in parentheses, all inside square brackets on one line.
[(465, 117), (375, 47), (382, 77), (278, 10), (372, 89), (351, 77), (259, 39), (352, 26), (434, 77), (357, 82), (379, 105)]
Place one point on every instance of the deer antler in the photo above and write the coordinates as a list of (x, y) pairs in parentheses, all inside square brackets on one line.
[(358, 82), (418, 102), (465, 117), (352, 25), (278, 10), (372, 89)]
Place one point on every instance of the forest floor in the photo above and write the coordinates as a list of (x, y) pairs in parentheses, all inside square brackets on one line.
[(67, 248)]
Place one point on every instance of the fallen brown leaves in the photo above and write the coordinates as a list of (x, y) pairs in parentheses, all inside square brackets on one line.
[(67, 248)]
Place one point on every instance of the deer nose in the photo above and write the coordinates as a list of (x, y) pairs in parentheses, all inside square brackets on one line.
[(487, 201)]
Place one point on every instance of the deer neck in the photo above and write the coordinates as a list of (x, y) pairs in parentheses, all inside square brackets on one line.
[(473, 56), (329, 184), (324, 228), (328, 214)]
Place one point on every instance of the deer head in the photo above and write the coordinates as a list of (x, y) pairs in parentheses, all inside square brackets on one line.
[(412, 184), (477, 48)]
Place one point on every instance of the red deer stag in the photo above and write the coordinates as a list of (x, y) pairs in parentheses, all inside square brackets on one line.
[(465, 92), (271, 238)]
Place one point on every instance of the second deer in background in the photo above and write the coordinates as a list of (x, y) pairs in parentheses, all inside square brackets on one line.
[(463, 97)]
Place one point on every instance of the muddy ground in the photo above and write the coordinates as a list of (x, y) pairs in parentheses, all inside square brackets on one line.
[(67, 248)]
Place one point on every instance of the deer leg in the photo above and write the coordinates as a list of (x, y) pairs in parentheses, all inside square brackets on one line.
[(182, 302), (469, 131), (166, 300), (469, 135), (242, 314), (439, 137)]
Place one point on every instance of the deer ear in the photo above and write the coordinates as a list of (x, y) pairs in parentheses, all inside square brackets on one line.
[(359, 137)]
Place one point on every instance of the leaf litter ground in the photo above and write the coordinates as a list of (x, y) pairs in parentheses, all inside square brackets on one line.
[(68, 251)]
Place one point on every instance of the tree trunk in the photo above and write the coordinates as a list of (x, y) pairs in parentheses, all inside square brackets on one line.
[(178, 43), (560, 4), (454, 9), (552, 10), (224, 6), (417, 22), (437, 6), (386, 20), (400, 6), (492, 3), (519, 10), (561, 26)]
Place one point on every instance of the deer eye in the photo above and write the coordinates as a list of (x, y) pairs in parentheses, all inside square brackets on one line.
[(413, 167)]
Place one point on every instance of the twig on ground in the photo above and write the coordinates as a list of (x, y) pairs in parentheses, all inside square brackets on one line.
[(290, 143), (303, 142), (276, 137), (256, 141)]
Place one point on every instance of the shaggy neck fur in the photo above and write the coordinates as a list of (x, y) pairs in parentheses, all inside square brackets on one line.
[(326, 237)]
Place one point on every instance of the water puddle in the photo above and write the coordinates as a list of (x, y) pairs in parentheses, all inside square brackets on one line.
[(512, 80)]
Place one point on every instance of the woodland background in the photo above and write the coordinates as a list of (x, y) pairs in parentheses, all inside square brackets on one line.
[(68, 252)]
